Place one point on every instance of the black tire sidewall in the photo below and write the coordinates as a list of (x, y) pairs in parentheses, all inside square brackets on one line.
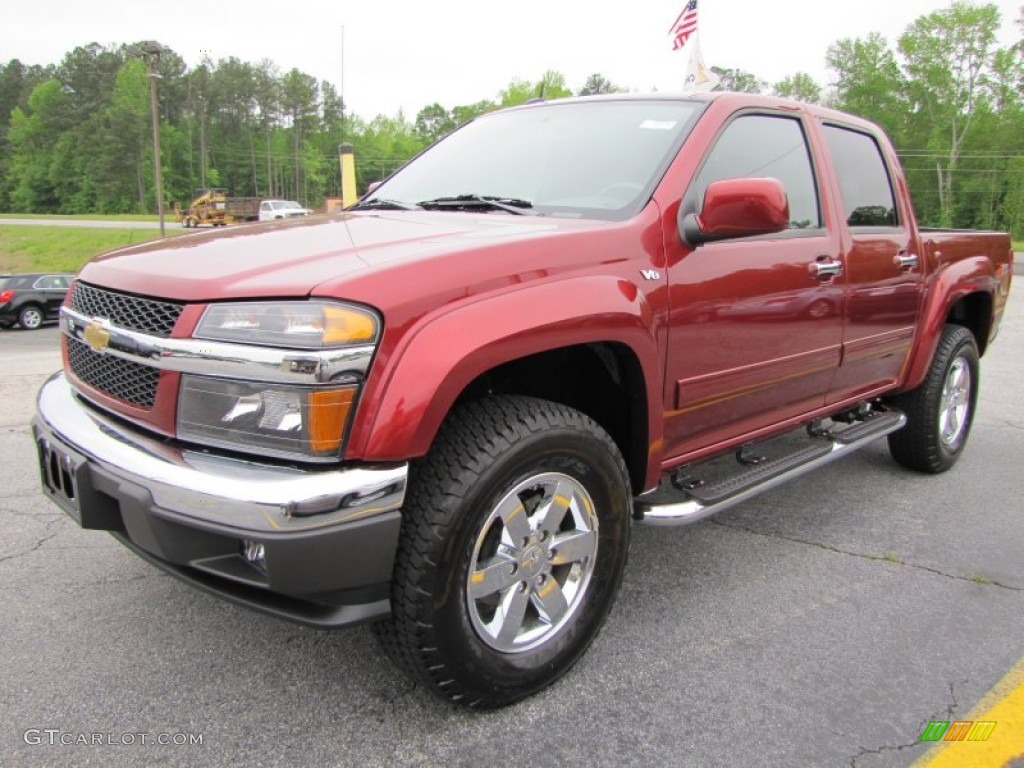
[(919, 445), (966, 350), (486, 671)]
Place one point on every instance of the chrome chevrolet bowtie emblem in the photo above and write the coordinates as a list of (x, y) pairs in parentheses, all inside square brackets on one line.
[(97, 336)]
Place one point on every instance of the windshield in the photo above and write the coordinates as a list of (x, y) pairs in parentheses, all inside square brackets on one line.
[(599, 159)]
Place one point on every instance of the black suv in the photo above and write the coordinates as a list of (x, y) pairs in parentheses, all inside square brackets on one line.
[(30, 300)]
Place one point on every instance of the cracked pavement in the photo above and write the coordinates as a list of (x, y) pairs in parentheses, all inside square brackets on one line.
[(888, 558), (822, 624)]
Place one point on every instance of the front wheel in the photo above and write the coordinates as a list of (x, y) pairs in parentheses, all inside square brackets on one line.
[(941, 410), (514, 540)]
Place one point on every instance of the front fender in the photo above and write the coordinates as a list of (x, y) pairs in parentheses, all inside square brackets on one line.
[(401, 412), (952, 283)]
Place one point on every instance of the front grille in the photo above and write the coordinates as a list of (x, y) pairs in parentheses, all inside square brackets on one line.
[(113, 376), (156, 318)]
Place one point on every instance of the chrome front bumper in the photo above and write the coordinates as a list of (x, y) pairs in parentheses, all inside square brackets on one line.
[(330, 534), (212, 488)]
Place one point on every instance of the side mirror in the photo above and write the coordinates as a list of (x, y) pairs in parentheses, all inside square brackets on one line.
[(737, 208), (373, 186)]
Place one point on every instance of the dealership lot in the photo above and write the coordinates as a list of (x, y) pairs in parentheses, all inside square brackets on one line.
[(825, 623)]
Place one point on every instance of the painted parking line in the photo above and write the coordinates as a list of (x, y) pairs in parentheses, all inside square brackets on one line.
[(992, 734)]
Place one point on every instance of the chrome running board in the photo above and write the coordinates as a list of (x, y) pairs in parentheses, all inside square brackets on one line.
[(693, 504)]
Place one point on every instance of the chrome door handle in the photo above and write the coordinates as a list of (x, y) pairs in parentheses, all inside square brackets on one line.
[(906, 260), (826, 270)]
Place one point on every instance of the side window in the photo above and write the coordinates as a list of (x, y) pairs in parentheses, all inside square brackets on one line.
[(49, 282), (264, 206), (758, 146), (864, 182)]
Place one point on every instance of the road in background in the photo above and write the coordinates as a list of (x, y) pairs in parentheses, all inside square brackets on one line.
[(94, 223), (824, 624)]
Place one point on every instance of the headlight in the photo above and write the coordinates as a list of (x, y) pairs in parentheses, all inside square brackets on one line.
[(299, 324), (269, 419), (305, 420)]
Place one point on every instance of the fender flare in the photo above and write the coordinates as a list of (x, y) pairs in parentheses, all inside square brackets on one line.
[(404, 404), (952, 283)]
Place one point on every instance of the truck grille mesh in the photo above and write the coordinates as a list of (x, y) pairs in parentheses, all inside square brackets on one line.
[(134, 313), (113, 376)]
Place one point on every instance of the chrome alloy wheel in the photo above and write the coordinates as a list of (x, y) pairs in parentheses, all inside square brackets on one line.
[(532, 562), (955, 404), (31, 318)]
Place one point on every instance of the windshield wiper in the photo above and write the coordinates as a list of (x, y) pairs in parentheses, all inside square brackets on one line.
[(382, 203), (510, 204)]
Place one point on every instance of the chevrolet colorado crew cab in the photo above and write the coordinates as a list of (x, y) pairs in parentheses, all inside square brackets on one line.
[(442, 409)]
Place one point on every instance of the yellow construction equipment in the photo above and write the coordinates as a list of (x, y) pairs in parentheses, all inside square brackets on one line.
[(212, 206)]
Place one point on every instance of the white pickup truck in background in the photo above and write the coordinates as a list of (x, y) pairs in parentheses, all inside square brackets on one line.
[(281, 209)]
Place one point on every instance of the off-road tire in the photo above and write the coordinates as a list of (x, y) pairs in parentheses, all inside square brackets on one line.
[(940, 411), (488, 454)]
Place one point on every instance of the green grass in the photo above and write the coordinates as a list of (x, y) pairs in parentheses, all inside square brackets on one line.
[(1018, 246), (88, 216), (61, 249)]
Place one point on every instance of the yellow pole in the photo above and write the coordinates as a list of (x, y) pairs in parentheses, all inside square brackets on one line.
[(348, 176)]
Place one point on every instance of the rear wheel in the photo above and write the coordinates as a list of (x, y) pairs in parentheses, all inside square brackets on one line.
[(514, 540), (30, 317), (941, 410)]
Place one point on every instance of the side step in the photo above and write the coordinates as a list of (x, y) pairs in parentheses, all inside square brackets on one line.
[(700, 501)]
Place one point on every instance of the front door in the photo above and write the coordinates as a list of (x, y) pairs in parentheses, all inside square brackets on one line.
[(756, 326)]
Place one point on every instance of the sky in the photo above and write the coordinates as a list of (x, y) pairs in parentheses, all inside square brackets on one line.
[(404, 55)]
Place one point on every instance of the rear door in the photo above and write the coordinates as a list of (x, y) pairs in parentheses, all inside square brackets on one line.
[(51, 290), (756, 323), (884, 270)]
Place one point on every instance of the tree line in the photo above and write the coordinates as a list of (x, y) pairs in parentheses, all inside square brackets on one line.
[(75, 136)]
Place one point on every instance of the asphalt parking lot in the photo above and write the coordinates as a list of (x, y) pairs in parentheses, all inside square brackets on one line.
[(823, 624)]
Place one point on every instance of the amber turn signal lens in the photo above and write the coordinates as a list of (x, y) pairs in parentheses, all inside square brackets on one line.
[(346, 326), (328, 414)]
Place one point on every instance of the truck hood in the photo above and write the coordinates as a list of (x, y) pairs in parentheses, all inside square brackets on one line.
[(292, 258)]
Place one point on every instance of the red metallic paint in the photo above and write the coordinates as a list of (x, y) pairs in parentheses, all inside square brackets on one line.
[(952, 281), (449, 350), (734, 340), (584, 284), (742, 207)]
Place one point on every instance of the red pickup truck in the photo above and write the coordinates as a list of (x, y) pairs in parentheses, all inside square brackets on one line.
[(443, 409)]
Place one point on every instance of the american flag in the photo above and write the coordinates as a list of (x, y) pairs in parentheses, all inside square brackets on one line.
[(684, 26)]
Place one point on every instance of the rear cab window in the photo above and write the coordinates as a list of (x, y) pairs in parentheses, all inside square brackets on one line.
[(865, 185)]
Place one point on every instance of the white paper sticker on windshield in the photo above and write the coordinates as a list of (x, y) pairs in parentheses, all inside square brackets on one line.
[(658, 125)]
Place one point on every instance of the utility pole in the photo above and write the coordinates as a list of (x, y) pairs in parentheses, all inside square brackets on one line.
[(150, 50)]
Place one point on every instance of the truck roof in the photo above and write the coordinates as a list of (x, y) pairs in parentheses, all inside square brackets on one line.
[(728, 99)]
